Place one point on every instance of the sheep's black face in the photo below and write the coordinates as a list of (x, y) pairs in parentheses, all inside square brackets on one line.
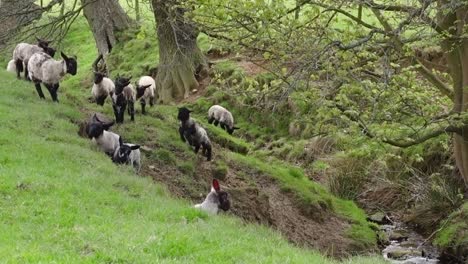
[(120, 105), (120, 83), (140, 90), (98, 77), (231, 130), (72, 66), (50, 51), (224, 203), (184, 114), (42, 43), (123, 154), (95, 130)]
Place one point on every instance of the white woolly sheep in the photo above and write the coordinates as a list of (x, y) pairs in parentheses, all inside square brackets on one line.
[(11, 66), (221, 115), (44, 69), (102, 88), (193, 133), (145, 91), (23, 53), (108, 141), (124, 95), (127, 154), (215, 200)]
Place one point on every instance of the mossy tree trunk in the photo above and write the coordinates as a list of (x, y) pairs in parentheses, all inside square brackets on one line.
[(179, 55), (105, 18)]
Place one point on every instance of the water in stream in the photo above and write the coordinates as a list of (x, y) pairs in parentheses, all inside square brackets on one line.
[(407, 247)]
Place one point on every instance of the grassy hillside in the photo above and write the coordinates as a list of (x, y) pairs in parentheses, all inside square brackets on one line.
[(64, 201)]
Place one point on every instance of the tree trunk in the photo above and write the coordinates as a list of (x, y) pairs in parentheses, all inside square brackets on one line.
[(457, 57), (179, 55), (105, 18), (137, 11)]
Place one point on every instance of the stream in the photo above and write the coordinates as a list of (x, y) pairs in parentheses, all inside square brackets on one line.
[(407, 246)]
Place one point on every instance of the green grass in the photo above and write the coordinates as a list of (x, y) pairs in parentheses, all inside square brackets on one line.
[(454, 230), (314, 198), (64, 201)]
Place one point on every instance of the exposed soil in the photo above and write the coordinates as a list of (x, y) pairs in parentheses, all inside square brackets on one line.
[(256, 198)]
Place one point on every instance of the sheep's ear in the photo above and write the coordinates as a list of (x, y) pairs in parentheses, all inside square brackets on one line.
[(236, 128), (135, 147), (145, 86), (63, 55), (120, 141), (215, 185)]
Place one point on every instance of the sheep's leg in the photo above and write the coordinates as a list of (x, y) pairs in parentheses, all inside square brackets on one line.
[(197, 148), (39, 90), (53, 91), (210, 120), (19, 68), (151, 101), (143, 104), (101, 99), (131, 110), (207, 150), (223, 126), (216, 123), (181, 133), (26, 73)]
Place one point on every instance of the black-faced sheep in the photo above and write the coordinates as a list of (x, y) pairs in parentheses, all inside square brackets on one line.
[(193, 133), (23, 53), (215, 200), (102, 88), (145, 91), (127, 154), (221, 115), (124, 95), (108, 141), (44, 69)]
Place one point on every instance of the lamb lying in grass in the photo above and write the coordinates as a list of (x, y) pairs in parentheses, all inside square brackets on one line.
[(215, 200), (193, 133), (108, 141), (221, 115), (127, 154)]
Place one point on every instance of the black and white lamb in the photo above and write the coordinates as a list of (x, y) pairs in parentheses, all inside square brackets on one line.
[(145, 91), (103, 87), (108, 141), (44, 69), (193, 133), (221, 115), (23, 53), (124, 95), (215, 200), (128, 154)]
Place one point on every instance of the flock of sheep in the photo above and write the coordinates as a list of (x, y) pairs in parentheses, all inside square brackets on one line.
[(39, 66)]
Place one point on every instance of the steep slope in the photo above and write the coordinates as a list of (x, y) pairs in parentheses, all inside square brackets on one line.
[(64, 201)]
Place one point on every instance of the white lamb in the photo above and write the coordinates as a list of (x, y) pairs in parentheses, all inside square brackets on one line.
[(103, 87), (221, 115), (44, 69), (145, 91)]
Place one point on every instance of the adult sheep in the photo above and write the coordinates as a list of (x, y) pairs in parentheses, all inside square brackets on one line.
[(23, 53), (193, 133), (124, 96), (145, 91), (221, 115), (103, 87), (44, 69)]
